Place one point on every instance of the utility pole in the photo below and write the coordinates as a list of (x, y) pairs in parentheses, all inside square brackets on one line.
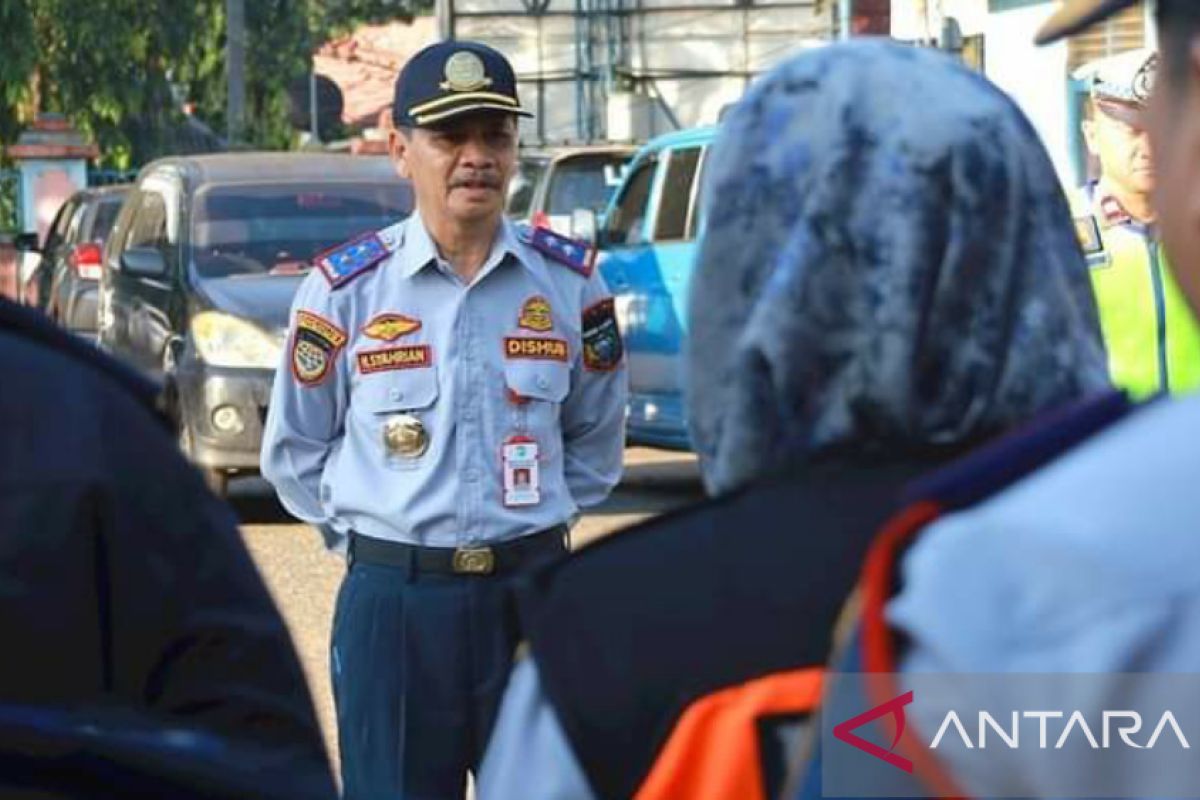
[(845, 16), (235, 65)]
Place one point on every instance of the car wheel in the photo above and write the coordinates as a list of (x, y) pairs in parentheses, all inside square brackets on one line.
[(217, 480)]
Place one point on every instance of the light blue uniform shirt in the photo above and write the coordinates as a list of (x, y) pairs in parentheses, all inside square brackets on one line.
[(324, 449)]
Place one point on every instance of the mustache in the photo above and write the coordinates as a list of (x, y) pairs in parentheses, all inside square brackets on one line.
[(488, 179)]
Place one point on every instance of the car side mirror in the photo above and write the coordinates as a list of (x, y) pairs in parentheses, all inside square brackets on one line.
[(584, 226), (144, 261), (26, 242)]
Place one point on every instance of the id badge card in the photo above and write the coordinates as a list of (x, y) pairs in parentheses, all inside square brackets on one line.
[(522, 483)]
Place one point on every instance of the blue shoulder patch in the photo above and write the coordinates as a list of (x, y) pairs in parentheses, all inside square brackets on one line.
[(574, 254), (347, 261)]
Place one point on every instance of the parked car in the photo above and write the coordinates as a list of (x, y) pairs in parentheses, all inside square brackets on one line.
[(550, 188), (200, 271), (68, 274), (647, 241)]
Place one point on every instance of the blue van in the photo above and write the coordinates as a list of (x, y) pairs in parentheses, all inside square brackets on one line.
[(648, 248)]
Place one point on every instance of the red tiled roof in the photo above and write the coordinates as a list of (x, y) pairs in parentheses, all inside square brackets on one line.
[(364, 64)]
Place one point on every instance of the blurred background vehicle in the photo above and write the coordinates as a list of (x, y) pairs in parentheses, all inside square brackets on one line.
[(550, 188), (647, 240), (200, 271), (67, 277)]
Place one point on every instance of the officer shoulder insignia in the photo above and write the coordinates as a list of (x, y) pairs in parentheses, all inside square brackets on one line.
[(315, 343), (602, 347), (574, 254), (1088, 231), (347, 261)]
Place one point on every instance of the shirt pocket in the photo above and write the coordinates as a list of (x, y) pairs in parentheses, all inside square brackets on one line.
[(537, 390), (398, 411)]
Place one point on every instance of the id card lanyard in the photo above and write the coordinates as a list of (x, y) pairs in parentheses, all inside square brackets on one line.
[(519, 459)]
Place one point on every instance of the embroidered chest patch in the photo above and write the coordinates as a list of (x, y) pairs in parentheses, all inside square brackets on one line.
[(602, 346), (411, 356), (536, 348), (390, 327), (536, 315), (315, 344)]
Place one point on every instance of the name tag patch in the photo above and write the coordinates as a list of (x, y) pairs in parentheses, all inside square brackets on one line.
[(411, 356), (314, 344), (535, 348)]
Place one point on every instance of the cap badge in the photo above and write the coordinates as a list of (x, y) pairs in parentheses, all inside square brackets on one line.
[(464, 73), (1143, 82)]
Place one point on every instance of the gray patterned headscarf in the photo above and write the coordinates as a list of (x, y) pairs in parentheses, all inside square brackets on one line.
[(889, 266)]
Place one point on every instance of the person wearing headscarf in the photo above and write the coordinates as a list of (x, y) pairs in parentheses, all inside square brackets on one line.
[(889, 276)]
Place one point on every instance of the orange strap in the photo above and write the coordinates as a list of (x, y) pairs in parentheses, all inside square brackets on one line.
[(879, 654), (713, 754)]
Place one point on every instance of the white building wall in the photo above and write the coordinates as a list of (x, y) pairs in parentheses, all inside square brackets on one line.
[(1036, 77)]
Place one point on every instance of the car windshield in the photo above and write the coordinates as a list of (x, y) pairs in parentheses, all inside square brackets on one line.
[(585, 182), (520, 191), (256, 229)]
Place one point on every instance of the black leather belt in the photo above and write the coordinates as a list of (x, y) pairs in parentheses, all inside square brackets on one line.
[(477, 560)]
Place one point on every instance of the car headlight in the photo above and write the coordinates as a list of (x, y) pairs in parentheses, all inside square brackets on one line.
[(225, 341)]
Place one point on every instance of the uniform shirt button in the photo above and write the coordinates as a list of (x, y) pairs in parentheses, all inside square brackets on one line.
[(396, 394), (470, 476), (468, 414), (542, 383)]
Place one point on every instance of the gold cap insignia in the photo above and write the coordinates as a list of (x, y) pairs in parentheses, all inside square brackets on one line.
[(464, 73)]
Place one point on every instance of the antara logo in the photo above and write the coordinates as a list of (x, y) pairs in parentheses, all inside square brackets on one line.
[(894, 708), (1076, 729)]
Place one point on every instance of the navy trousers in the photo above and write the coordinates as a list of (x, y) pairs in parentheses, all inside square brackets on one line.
[(419, 664)]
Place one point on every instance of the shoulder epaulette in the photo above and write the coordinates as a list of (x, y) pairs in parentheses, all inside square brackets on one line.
[(345, 262), (569, 252)]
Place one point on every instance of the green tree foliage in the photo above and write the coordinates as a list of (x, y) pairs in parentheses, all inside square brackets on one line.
[(121, 69)]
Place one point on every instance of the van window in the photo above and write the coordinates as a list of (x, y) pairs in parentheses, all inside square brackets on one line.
[(586, 181), (695, 223), (676, 196), (629, 214)]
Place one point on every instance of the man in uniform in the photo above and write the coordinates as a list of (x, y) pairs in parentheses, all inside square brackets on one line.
[(453, 392), (1150, 333)]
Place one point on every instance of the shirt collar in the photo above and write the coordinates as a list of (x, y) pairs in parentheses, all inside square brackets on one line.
[(419, 251), (1110, 211)]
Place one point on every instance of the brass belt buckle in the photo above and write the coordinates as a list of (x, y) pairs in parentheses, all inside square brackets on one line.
[(474, 560)]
